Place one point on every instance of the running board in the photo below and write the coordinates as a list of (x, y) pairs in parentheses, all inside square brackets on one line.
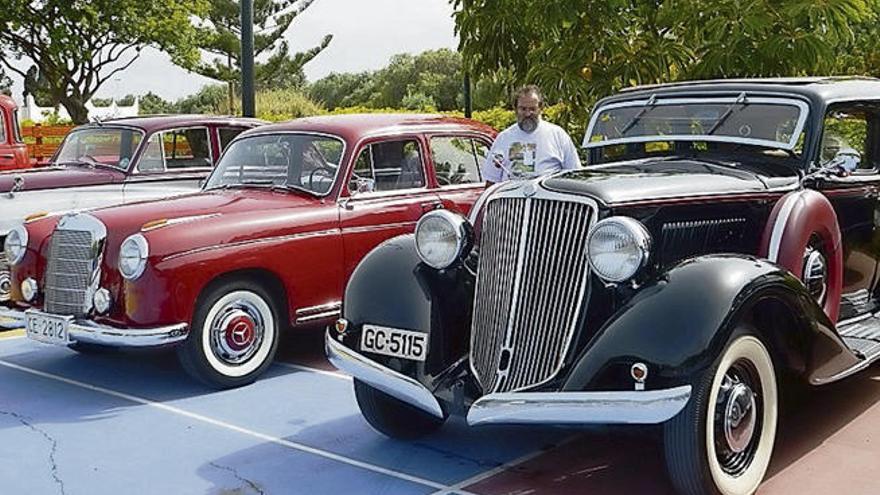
[(863, 337)]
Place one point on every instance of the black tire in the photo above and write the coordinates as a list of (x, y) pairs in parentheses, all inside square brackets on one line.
[(698, 462), (250, 319), (392, 417)]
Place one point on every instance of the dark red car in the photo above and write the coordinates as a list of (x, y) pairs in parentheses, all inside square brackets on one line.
[(13, 152), (113, 162), (269, 242)]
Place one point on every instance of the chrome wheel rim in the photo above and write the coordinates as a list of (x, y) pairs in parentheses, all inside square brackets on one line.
[(815, 274), (237, 332), (738, 413)]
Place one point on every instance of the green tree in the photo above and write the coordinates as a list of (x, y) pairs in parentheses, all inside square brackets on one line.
[(152, 103), (342, 90), (220, 37), (77, 45), (580, 50)]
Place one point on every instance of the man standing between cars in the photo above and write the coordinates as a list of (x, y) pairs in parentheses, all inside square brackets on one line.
[(531, 146)]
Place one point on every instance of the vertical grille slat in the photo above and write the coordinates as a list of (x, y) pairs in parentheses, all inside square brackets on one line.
[(553, 269), (68, 272), (5, 282)]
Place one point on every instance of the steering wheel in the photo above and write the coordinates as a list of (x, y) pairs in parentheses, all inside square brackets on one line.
[(322, 170)]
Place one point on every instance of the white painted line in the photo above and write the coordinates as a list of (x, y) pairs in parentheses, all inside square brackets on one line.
[(334, 374), (458, 487), (229, 426)]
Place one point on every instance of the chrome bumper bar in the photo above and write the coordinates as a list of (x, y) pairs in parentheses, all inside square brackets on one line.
[(580, 408), (380, 377), (560, 408), (11, 319), (89, 332)]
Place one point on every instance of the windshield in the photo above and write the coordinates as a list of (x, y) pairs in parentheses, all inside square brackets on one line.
[(658, 125), (294, 161), (104, 146)]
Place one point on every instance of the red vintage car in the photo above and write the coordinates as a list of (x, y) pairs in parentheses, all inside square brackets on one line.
[(269, 242), (113, 162), (13, 152)]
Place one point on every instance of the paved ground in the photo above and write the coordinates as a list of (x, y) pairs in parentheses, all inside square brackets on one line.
[(135, 423)]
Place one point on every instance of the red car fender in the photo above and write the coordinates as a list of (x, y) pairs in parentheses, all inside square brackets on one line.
[(795, 218)]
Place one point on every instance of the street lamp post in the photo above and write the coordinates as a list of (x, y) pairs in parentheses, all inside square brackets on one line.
[(248, 107)]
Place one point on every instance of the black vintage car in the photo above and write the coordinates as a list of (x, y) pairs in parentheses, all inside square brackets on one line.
[(722, 242)]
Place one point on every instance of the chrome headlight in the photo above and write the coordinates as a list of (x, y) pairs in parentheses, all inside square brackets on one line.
[(618, 247), (442, 237), (16, 244), (133, 256)]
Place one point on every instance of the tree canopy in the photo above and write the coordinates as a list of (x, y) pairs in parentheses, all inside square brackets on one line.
[(77, 45), (220, 37), (581, 50)]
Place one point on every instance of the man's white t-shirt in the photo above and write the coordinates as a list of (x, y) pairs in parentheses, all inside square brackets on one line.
[(547, 149)]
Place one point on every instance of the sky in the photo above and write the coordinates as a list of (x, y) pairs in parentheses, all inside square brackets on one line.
[(366, 33)]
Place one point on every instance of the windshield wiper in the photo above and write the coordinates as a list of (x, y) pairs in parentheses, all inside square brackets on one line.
[(740, 100), (647, 106), (91, 163)]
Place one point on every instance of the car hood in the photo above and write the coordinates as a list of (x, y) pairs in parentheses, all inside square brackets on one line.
[(665, 179), (211, 218), (56, 177)]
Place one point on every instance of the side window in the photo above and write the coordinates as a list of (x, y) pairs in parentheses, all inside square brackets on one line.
[(2, 126), (455, 160), (392, 165), (187, 148), (227, 134), (151, 160), (845, 136), (17, 125)]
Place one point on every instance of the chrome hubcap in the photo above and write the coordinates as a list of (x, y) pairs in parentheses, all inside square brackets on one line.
[(237, 332), (815, 273), (738, 418)]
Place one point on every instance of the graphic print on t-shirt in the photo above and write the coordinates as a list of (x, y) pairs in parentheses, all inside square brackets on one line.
[(522, 157)]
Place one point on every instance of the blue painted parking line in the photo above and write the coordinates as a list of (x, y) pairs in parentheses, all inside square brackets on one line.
[(293, 407)]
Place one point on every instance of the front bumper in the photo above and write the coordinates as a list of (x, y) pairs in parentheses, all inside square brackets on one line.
[(89, 332), (11, 319), (560, 408)]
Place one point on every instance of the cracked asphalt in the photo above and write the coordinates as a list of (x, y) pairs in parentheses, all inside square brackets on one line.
[(134, 423)]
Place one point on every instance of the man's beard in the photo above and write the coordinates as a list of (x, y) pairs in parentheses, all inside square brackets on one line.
[(528, 124)]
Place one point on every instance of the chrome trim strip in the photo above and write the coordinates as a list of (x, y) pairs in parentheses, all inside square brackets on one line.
[(579, 408), (385, 379), (321, 308), (259, 241), (11, 319), (89, 332), (319, 316)]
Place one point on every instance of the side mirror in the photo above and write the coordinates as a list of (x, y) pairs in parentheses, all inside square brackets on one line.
[(360, 185), (845, 162)]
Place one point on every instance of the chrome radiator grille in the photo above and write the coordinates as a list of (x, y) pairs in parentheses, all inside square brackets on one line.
[(5, 283), (531, 278), (69, 272)]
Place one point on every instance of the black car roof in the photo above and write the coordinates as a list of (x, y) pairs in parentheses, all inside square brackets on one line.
[(821, 90)]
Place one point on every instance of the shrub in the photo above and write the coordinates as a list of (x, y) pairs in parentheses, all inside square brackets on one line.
[(285, 104)]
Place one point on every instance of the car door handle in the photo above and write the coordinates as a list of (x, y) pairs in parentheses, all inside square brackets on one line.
[(8, 157), (431, 205)]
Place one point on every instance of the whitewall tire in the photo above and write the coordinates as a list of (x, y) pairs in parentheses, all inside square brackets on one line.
[(723, 440)]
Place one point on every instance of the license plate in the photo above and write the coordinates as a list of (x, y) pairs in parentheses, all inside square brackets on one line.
[(51, 329), (394, 342)]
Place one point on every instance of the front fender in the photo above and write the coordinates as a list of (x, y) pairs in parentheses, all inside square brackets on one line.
[(679, 324), (392, 287)]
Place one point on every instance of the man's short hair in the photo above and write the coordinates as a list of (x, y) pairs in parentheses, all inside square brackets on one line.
[(530, 89)]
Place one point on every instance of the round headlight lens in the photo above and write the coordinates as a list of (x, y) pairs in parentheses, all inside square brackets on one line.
[(441, 238), (618, 247), (133, 256), (29, 289), (16, 244)]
